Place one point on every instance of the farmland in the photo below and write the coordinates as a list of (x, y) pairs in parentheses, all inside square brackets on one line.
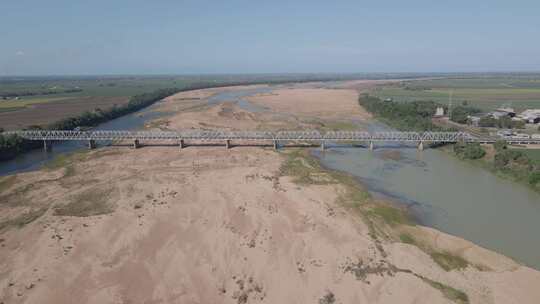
[(484, 92), (70, 96), (94, 92)]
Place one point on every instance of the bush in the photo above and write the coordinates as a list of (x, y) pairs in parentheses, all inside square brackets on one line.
[(500, 145), (505, 158), (534, 178), (487, 122), (518, 124), (460, 114), (469, 150), (503, 123)]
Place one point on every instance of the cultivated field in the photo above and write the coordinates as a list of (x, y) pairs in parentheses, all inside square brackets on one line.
[(486, 93), (44, 113), (97, 92)]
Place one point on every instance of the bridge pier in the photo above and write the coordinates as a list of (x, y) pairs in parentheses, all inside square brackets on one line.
[(228, 144), (181, 144), (136, 144), (91, 144), (371, 146), (276, 145), (47, 145), (421, 146), (323, 146)]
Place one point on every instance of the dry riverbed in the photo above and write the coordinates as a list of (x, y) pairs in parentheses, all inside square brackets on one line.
[(244, 225)]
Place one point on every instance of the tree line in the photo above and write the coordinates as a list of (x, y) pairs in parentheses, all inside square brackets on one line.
[(414, 116)]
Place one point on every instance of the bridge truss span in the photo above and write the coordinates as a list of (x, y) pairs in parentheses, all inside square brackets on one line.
[(208, 135), (276, 137)]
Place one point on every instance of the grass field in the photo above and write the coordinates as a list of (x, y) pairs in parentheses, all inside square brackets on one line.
[(487, 93), (12, 104), (102, 92), (533, 154)]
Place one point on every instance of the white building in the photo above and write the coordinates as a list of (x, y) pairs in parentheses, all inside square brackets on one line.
[(530, 115), (439, 112)]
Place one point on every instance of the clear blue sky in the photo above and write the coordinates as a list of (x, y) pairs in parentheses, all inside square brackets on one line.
[(158, 36)]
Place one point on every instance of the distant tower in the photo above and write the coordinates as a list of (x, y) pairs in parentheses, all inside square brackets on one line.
[(450, 102)]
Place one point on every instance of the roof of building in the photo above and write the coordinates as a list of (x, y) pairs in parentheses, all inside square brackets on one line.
[(506, 110)]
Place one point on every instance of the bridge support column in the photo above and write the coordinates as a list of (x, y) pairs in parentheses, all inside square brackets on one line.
[(181, 144), (47, 145), (276, 145), (421, 146), (228, 144), (136, 144), (371, 146), (91, 144), (323, 145)]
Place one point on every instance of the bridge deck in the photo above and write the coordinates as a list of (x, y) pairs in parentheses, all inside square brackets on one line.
[(242, 135), (210, 135)]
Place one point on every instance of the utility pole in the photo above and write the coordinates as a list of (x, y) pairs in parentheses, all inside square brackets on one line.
[(450, 103)]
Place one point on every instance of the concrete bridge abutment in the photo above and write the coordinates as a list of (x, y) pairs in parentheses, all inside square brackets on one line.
[(92, 144), (47, 145)]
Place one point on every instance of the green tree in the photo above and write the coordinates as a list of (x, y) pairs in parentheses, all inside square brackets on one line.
[(469, 150), (500, 145), (534, 178), (460, 114), (487, 122), (518, 124)]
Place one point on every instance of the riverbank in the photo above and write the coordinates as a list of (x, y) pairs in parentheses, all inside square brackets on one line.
[(507, 162), (243, 225)]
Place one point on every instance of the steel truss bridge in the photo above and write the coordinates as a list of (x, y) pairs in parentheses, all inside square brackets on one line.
[(314, 137)]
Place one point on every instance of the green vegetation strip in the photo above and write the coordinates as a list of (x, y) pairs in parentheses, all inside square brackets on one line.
[(446, 260), (518, 164), (94, 201), (23, 219), (448, 292)]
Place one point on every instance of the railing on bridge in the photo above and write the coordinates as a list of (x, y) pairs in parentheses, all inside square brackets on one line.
[(224, 135), (243, 135), (278, 136)]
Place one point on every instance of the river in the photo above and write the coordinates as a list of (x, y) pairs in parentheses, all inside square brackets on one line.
[(441, 191)]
